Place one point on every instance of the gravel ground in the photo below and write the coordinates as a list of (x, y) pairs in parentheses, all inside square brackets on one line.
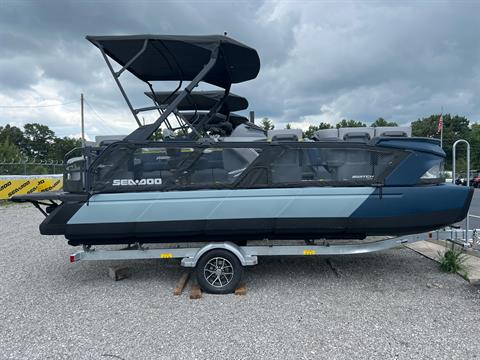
[(393, 304)]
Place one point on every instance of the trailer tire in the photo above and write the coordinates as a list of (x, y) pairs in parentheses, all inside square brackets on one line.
[(219, 271)]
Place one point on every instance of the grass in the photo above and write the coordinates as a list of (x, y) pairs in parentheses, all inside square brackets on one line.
[(453, 261), (6, 203)]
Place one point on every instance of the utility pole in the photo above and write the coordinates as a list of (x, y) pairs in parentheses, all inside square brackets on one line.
[(441, 129), (83, 120)]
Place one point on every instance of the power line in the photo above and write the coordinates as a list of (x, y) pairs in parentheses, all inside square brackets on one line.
[(106, 124), (35, 106), (95, 111)]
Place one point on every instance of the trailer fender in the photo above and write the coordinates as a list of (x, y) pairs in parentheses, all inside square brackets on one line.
[(245, 259)]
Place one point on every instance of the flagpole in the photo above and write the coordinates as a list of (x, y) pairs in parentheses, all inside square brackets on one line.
[(441, 136), (441, 128)]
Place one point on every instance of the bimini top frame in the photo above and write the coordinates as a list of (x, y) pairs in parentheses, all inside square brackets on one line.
[(217, 60), (196, 110)]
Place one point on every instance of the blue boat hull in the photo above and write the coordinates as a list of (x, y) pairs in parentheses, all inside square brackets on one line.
[(247, 214)]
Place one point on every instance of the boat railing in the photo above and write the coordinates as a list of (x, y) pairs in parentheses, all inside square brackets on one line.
[(467, 239)]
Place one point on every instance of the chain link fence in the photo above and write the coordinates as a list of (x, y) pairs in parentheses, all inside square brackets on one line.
[(16, 167)]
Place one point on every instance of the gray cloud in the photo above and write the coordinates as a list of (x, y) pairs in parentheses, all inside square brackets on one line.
[(320, 61)]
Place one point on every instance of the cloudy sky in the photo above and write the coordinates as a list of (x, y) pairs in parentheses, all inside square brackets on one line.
[(321, 60)]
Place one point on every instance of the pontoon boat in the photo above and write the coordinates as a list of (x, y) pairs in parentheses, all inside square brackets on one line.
[(223, 180)]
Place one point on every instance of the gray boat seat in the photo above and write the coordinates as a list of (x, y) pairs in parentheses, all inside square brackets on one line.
[(209, 169), (359, 136), (287, 167), (394, 133), (357, 163), (209, 176), (158, 165)]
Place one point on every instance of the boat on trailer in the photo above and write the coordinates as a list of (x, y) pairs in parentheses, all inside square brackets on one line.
[(222, 178)]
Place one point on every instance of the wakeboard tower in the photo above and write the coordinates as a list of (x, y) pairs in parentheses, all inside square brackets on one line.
[(218, 177)]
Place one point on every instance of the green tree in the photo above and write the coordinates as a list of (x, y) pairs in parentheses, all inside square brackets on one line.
[(267, 124), (12, 135), (474, 140), (308, 134), (38, 141), (157, 135), (382, 122), (350, 123), (313, 128), (9, 151), (324, 125), (61, 146), (288, 126)]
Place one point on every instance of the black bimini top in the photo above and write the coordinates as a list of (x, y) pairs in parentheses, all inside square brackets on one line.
[(203, 100), (175, 58)]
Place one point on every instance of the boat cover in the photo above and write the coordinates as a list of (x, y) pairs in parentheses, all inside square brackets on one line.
[(175, 58)]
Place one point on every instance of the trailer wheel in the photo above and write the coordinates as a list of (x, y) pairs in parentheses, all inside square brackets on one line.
[(219, 271)]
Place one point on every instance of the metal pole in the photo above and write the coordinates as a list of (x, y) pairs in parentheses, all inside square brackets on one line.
[(115, 77), (441, 136), (83, 120), (252, 117), (441, 129), (144, 132), (454, 161), (467, 220)]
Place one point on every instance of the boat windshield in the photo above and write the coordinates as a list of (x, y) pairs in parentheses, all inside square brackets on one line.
[(144, 168), (434, 173), (164, 166)]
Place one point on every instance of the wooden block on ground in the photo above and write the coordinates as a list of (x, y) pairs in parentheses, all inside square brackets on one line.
[(118, 272), (241, 289), (472, 265), (181, 283), (195, 292)]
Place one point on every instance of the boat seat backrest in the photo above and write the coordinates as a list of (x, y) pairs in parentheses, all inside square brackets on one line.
[(287, 167), (285, 173), (314, 157), (328, 162), (235, 159), (357, 163), (209, 176), (158, 165), (362, 137), (165, 175), (213, 160)]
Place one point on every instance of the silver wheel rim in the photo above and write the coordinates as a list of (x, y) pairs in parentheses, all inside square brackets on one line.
[(218, 272)]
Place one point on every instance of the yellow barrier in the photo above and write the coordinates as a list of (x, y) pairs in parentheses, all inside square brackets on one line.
[(28, 185)]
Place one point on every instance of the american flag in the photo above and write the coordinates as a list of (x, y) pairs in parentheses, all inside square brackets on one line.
[(440, 124)]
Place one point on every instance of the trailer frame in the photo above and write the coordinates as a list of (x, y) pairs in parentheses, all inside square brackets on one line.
[(248, 255)]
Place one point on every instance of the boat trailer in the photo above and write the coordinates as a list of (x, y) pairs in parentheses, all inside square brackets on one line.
[(219, 265)]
